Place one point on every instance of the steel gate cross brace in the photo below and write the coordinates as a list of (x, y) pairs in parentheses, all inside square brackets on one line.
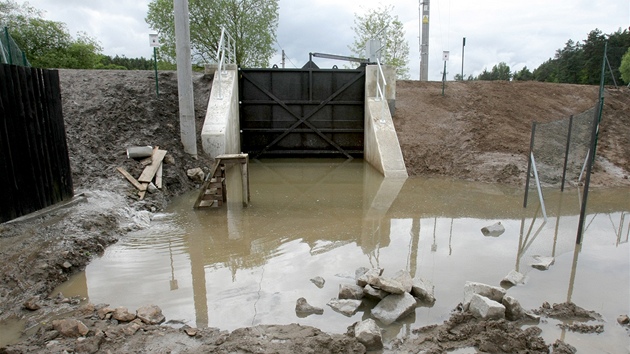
[(304, 119)]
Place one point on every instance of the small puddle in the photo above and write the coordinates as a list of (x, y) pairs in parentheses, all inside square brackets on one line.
[(237, 267), (11, 331)]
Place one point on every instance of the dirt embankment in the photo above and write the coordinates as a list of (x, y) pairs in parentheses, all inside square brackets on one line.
[(478, 130)]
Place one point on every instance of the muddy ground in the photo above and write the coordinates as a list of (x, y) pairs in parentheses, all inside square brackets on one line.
[(477, 131)]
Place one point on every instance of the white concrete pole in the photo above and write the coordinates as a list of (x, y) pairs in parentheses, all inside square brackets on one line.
[(424, 45), (184, 78)]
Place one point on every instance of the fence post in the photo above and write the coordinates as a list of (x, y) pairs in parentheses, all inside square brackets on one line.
[(587, 179), (566, 154), (529, 164)]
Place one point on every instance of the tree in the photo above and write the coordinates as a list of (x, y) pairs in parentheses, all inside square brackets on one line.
[(625, 67), (252, 24), (48, 43), (380, 24), (523, 75), (500, 71)]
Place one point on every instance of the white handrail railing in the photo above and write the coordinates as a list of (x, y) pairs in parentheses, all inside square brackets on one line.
[(226, 54), (380, 91)]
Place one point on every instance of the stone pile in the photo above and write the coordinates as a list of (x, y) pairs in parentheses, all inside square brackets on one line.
[(397, 295), (491, 303)]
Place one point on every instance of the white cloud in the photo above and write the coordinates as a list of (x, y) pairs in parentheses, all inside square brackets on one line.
[(517, 32)]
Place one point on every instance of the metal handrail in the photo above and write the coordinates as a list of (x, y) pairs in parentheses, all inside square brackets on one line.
[(226, 51), (380, 91)]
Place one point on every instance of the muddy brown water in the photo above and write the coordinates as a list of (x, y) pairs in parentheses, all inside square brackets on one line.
[(237, 267)]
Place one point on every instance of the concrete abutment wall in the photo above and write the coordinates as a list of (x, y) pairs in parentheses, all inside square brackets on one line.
[(221, 128)]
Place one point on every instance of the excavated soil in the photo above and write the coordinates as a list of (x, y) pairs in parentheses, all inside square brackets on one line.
[(476, 131)]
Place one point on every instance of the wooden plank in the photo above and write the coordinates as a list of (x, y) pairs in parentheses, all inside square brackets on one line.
[(158, 177), (130, 178), (143, 192), (146, 161), (150, 171)]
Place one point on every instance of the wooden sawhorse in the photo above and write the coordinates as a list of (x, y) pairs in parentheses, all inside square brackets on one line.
[(213, 192)]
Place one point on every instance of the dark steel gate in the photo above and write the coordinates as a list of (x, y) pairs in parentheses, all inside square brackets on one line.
[(302, 111)]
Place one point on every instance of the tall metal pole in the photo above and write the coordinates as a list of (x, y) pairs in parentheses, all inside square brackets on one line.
[(424, 45), (463, 46), (184, 78)]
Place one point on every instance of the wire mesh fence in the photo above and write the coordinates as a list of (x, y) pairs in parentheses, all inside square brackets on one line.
[(566, 138), (10, 53)]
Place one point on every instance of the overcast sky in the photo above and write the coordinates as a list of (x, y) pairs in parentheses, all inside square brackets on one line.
[(519, 33)]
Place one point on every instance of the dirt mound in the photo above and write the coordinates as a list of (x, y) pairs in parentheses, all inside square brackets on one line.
[(107, 111), (480, 130)]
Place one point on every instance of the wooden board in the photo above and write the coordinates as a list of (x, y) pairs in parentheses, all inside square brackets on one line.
[(158, 177), (143, 192), (130, 178), (150, 171)]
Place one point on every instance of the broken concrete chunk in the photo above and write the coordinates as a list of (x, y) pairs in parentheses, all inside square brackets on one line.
[(347, 307), (513, 278), (388, 284), (122, 314), (70, 327), (370, 292), (423, 290), (369, 334), (303, 307), (151, 314), (104, 311), (360, 271), (318, 281), (494, 230), (484, 308), (494, 293), (394, 307), (369, 277), (32, 304), (623, 320), (196, 174), (513, 309), (404, 278), (542, 263), (350, 291)]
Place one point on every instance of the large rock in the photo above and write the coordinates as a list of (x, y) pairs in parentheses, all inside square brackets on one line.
[(347, 307), (122, 314), (513, 278), (491, 292), (404, 278), (484, 308), (70, 327), (513, 309), (105, 313), (394, 307), (318, 281), (302, 307), (369, 334), (151, 314), (369, 277), (542, 263), (494, 230), (423, 290), (195, 174), (350, 291), (390, 285), (370, 292)]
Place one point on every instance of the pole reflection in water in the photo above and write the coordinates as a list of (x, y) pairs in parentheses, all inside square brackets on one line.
[(237, 267)]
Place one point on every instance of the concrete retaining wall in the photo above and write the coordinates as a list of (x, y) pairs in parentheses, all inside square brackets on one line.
[(221, 127), (381, 146)]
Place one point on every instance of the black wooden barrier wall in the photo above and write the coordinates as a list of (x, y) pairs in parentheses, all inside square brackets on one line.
[(34, 164)]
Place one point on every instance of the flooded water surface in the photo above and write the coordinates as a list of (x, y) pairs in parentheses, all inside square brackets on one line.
[(237, 267)]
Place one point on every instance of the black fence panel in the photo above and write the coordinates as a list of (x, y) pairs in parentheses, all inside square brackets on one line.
[(34, 164)]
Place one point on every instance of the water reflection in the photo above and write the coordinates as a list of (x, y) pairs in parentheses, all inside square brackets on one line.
[(238, 266)]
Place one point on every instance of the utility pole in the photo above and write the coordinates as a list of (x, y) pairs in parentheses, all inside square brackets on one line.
[(424, 44), (283, 58), (184, 78), (463, 45)]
